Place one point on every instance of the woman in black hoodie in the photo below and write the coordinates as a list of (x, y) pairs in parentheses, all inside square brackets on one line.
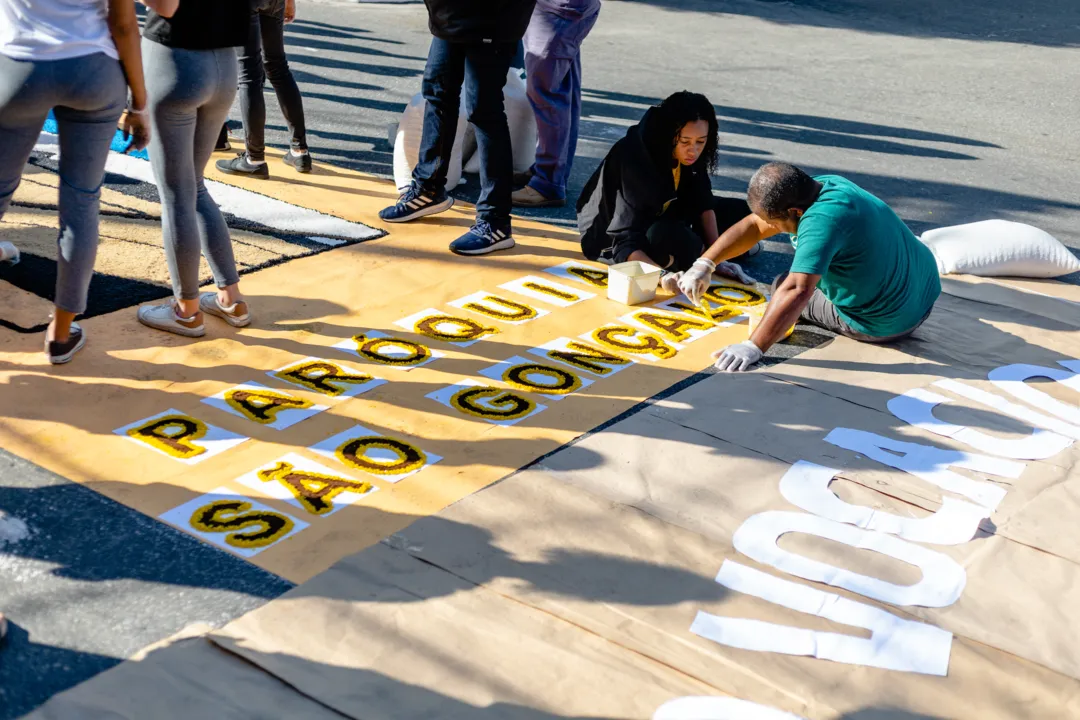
[(651, 199)]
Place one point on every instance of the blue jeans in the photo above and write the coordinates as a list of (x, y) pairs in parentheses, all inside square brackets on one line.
[(484, 65), (553, 69), (87, 95)]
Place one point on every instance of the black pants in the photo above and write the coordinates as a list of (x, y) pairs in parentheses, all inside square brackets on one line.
[(675, 240), (485, 65), (262, 58)]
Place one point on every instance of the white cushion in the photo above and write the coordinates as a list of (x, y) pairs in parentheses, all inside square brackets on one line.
[(995, 248), (407, 145)]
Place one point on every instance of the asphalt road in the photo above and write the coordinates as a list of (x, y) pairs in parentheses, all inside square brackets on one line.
[(952, 112)]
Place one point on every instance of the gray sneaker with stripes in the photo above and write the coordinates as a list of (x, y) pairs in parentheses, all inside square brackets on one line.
[(416, 203)]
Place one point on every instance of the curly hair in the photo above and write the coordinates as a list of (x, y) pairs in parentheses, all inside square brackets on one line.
[(686, 107)]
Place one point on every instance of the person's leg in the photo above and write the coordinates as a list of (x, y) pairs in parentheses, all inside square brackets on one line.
[(251, 81), (673, 245), (486, 67), (819, 311), (553, 59), (26, 96), (272, 26), (93, 95), (215, 242), (178, 83), (443, 78)]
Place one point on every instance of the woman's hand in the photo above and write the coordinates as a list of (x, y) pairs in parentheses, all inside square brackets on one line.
[(137, 127), (290, 11)]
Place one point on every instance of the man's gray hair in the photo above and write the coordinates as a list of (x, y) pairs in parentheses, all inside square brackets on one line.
[(778, 187)]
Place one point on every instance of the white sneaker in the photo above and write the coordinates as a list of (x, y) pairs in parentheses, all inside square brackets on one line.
[(9, 253), (236, 315), (164, 317)]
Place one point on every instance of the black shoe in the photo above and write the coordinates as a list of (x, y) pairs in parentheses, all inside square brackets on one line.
[(62, 352), (416, 203), (240, 165), (301, 163), (482, 239), (223, 140)]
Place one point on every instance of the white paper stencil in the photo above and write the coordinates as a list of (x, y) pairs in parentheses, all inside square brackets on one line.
[(240, 525), (718, 708), (657, 347), (369, 458), (556, 375), (499, 403), (547, 290), (592, 276), (677, 332), (318, 375), (567, 351), (932, 464), (388, 351), (806, 485), (916, 407), (1011, 379), (499, 308), (184, 438), (942, 582), (470, 330), (312, 488), (894, 644), (260, 405)]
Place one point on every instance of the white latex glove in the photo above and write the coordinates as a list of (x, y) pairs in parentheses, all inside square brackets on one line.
[(734, 270), (738, 358), (670, 282), (695, 281)]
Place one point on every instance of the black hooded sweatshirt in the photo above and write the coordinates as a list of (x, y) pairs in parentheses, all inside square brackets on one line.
[(473, 21), (633, 186)]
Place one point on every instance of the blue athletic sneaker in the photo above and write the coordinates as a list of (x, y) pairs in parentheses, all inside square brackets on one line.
[(482, 239), (416, 203)]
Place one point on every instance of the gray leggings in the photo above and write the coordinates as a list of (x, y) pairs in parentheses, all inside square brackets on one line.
[(190, 93), (87, 95)]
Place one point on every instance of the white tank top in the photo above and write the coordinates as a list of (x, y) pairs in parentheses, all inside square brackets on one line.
[(54, 29)]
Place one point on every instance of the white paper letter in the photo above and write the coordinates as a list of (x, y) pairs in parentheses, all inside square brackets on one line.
[(916, 407), (931, 464), (1011, 379), (806, 485), (942, 582), (718, 708), (894, 644)]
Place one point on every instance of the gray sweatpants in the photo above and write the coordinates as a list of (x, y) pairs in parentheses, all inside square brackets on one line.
[(821, 312), (87, 95), (190, 94)]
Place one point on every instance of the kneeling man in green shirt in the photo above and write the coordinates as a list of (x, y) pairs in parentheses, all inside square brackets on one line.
[(858, 270)]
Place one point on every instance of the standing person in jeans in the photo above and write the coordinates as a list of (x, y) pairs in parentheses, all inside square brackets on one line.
[(79, 60), (263, 57), (191, 81), (475, 40), (553, 78)]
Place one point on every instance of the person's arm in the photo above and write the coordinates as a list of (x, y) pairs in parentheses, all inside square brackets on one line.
[(164, 8), (124, 29), (290, 11), (785, 307), (739, 238)]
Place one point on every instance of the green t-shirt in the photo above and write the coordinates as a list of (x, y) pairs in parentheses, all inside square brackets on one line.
[(879, 276)]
